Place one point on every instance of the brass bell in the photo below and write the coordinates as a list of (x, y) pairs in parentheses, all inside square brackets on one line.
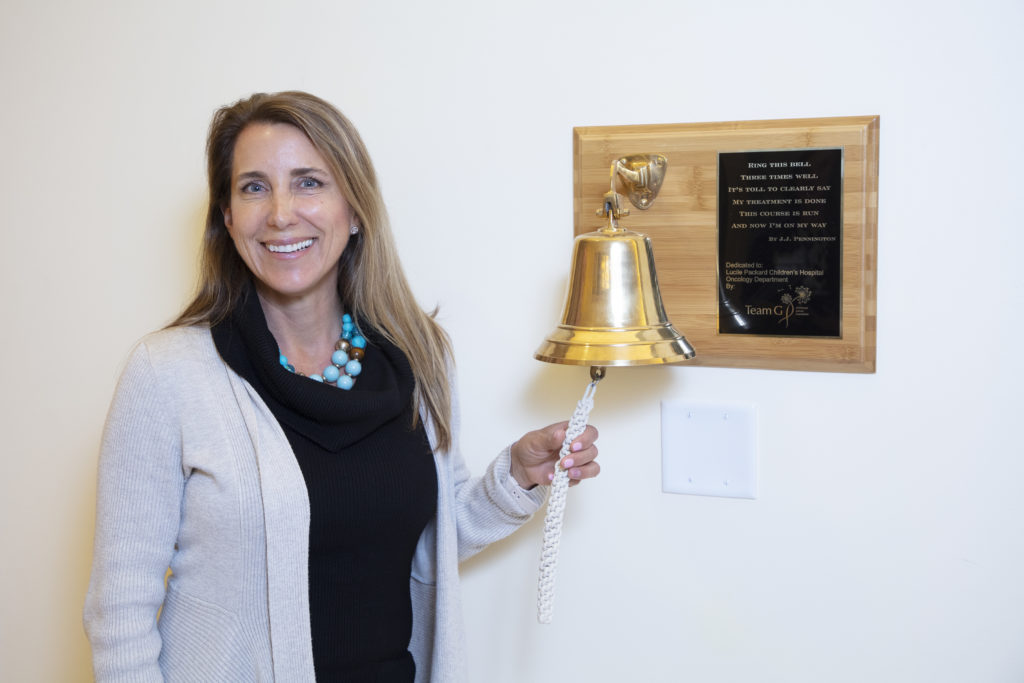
[(613, 315)]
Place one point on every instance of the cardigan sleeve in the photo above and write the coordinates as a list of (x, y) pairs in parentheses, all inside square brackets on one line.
[(141, 481), (492, 506)]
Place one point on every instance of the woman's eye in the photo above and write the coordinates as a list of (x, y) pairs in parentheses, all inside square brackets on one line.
[(249, 188), (309, 183)]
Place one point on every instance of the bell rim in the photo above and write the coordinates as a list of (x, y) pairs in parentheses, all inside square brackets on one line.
[(667, 347), (662, 331), (619, 363)]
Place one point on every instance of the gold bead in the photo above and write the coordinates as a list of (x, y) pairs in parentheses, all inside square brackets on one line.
[(342, 345), (356, 353)]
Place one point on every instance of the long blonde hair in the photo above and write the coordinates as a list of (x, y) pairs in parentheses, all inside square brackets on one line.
[(371, 281)]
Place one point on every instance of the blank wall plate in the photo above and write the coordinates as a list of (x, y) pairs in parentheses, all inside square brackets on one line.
[(709, 449)]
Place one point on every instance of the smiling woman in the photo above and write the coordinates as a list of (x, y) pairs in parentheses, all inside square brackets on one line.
[(312, 533), (287, 217)]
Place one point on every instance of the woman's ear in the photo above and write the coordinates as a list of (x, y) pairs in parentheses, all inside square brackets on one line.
[(227, 216)]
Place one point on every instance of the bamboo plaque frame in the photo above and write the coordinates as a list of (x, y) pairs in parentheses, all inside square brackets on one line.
[(683, 227)]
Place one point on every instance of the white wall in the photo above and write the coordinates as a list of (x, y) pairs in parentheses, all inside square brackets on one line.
[(887, 543)]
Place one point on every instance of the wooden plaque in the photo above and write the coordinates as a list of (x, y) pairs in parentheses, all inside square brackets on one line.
[(767, 166)]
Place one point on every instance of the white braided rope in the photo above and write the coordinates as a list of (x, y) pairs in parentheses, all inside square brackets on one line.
[(556, 509)]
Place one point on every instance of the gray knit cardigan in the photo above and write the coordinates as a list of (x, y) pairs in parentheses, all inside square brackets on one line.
[(197, 476)]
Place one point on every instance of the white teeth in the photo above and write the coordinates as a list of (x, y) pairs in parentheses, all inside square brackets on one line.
[(288, 248)]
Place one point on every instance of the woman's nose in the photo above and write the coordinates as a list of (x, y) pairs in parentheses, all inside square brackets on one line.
[(282, 213)]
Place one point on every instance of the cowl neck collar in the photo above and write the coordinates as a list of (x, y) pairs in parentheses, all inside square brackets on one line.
[(330, 417)]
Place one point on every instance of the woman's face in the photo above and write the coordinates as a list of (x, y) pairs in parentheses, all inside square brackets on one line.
[(287, 216)]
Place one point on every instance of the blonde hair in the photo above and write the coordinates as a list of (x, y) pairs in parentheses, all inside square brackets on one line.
[(371, 282)]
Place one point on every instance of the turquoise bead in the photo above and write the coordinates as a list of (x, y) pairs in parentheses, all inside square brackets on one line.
[(347, 352)]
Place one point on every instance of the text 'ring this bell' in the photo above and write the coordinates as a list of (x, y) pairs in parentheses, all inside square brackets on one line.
[(613, 314)]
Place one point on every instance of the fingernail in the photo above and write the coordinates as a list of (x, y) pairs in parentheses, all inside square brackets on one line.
[(551, 476), (577, 447), (567, 463), (574, 474)]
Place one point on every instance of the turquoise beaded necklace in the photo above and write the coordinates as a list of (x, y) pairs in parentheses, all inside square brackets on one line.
[(345, 361)]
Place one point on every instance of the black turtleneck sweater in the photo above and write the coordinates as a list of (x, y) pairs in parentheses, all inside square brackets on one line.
[(372, 489)]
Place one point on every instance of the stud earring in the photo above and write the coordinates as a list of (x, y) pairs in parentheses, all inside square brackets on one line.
[(354, 229)]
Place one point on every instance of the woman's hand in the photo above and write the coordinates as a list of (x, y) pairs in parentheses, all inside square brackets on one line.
[(535, 454)]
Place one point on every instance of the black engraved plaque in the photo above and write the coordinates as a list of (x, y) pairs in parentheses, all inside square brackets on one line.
[(780, 242)]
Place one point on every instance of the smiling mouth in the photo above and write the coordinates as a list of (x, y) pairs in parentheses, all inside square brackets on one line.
[(289, 248)]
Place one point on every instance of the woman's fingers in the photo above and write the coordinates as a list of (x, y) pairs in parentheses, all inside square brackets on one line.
[(535, 454)]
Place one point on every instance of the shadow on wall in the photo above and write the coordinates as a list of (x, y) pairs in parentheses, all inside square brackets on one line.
[(624, 392), (555, 390)]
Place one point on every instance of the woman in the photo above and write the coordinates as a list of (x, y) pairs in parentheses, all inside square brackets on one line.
[(288, 446)]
